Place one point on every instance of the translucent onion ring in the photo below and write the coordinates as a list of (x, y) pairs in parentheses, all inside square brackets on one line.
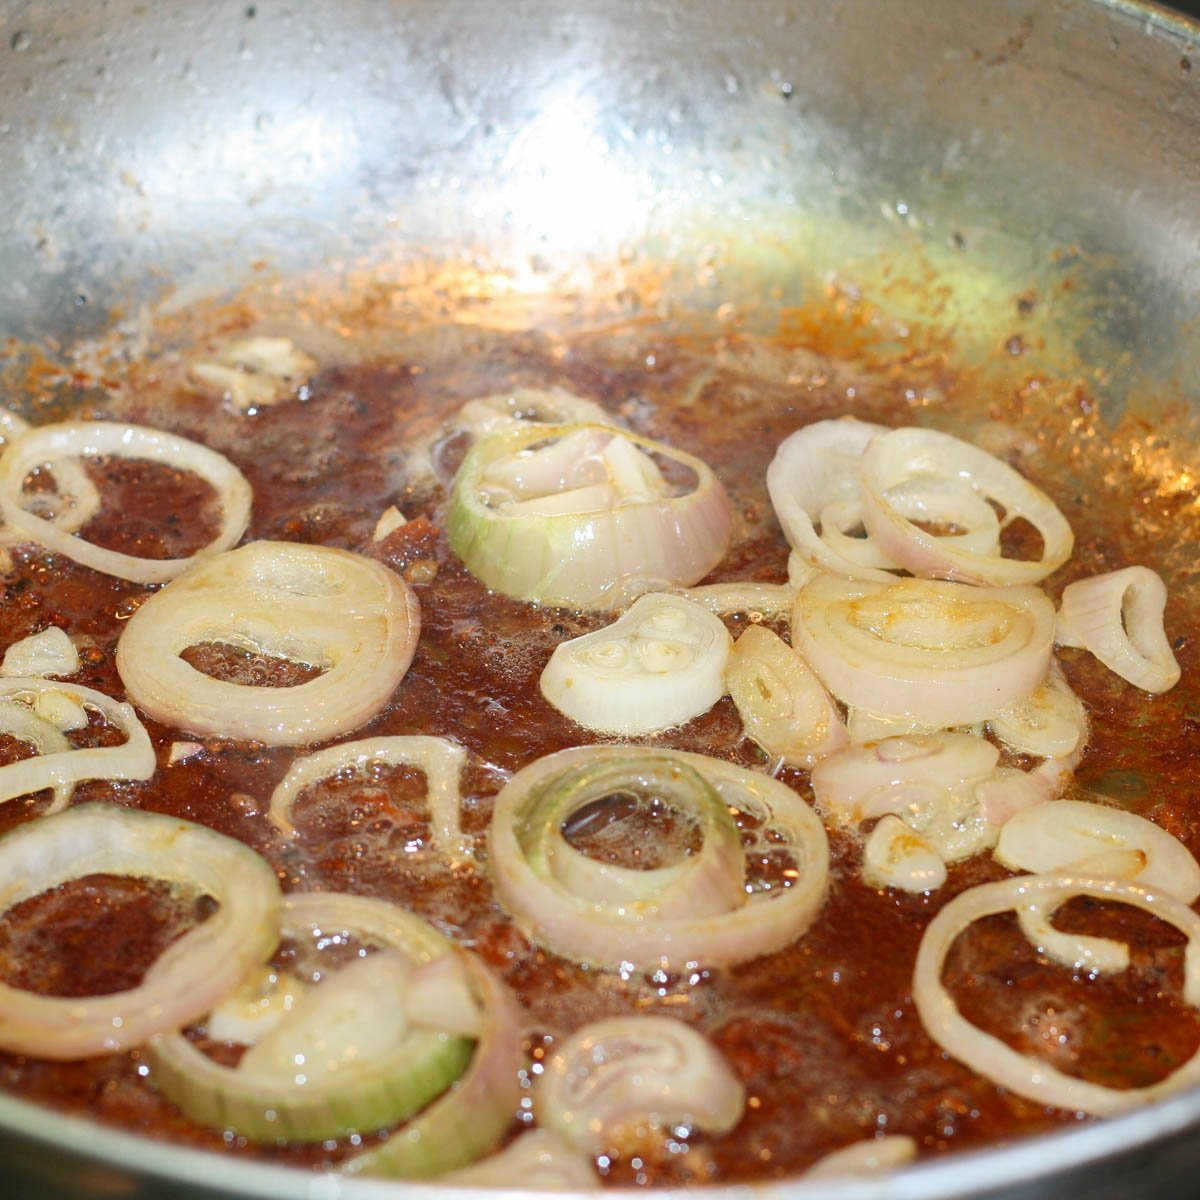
[(940, 653), (311, 604), (896, 457), (189, 977), (993, 1058), (597, 560), (813, 468), (1118, 617), (584, 931), (618, 1073), (71, 484), (441, 759), (62, 769), (364, 1094), (78, 439)]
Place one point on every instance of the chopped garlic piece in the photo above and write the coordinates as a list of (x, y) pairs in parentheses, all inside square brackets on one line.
[(389, 521), (182, 751), (64, 712), (255, 372), (50, 652), (896, 856)]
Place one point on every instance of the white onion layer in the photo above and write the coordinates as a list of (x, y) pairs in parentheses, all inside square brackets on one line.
[(189, 977), (310, 604), (897, 458), (81, 439), (660, 664), (59, 768), (441, 759), (1118, 617), (989, 1056), (940, 653), (1050, 723), (874, 1156), (612, 1077), (537, 1161), (74, 500), (588, 931), (50, 652), (814, 468)]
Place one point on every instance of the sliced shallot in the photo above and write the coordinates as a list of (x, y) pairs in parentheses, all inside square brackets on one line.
[(939, 653), (327, 608), (582, 516), (82, 439), (896, 856), (50, 652), (660, 664), (1050, 723), (537, 1161), (189, 977), (618, 933), (75, 499), (781, 702), (813, 469), (441, 759), (1093, 839), (897, 458), (874, 1156), (613, 1076), (1118, 617), (1030, 1077)]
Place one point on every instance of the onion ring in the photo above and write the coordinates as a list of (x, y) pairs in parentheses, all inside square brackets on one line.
[(312, 604), (76, 439), (189, 977), (991, 1057)]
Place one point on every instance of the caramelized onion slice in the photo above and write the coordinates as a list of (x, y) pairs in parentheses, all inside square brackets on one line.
[(658, 665), (560, 515), (57, 764), (813, 470), (1119, 618), (896, 458), (613, 935), (783, 706), (441, 759), (191, 975), (1030, 1077), (346, 1056), (939, 653), (80, 439), (326, 608), (612, 1077)]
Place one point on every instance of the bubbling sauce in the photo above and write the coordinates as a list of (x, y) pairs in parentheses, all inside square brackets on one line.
[(823, 1034)]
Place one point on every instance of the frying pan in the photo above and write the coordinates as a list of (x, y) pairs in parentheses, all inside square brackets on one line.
[(151, 153)]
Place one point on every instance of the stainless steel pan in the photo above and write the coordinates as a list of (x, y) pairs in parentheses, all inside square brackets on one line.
[(151, 150)]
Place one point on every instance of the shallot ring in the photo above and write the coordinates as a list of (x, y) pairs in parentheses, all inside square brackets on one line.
[(313, 604), (988, 1055), (76, 439), (189, 977)]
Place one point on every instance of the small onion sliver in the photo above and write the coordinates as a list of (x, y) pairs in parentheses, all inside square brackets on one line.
[(441, 759), (1118, 617), (873, 1156), (311, 604), (537, 1161), (896, 457), (51, 443), (989, 1056), (622, 1072), (62, 769), (584, 931), (189, 977)]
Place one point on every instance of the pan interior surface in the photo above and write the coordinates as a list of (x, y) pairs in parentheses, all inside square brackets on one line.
[(1005, 193)]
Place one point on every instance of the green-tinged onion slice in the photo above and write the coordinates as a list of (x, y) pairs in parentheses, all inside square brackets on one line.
[(703, 884), (194, 972), (572, 909), (581, 515), (348, 1057)]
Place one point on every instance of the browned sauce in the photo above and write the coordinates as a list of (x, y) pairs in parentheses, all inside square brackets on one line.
[(824, 1034)]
